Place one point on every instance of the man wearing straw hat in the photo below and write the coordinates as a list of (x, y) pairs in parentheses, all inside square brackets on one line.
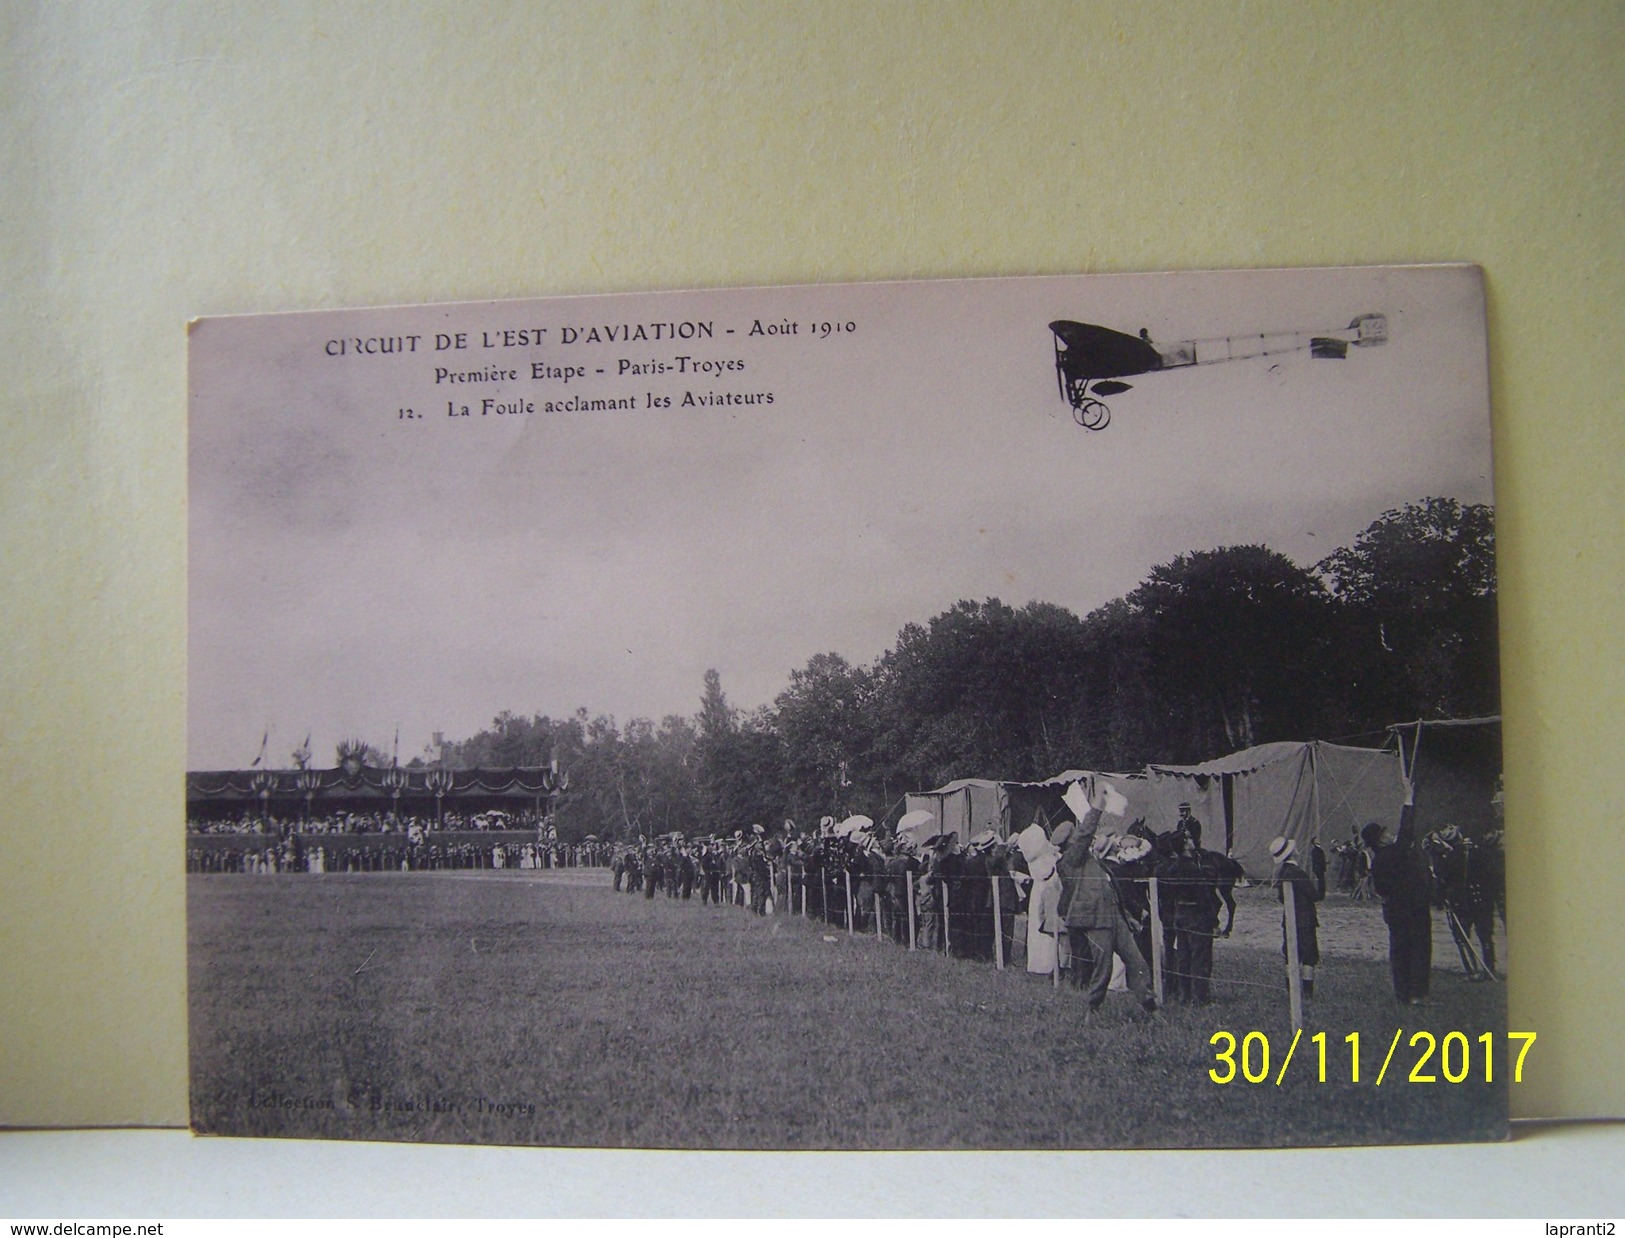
[(1093, 911), (1305, 892)]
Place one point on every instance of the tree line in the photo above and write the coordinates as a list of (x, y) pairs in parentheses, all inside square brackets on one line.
[(1215, 651)]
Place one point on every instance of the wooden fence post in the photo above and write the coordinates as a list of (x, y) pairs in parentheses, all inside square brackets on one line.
[(1156, 942), (998, 928), (912, 945), (942, 893), (1294, 974), (850, 927), (878, 934), (1055, 971)]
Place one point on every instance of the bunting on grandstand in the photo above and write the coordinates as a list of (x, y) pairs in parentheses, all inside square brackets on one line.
[(353, 784)]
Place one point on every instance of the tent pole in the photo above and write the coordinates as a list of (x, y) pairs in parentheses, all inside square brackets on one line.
[(1314, 786)]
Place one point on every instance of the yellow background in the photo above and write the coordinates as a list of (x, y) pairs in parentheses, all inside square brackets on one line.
[(162, 161)]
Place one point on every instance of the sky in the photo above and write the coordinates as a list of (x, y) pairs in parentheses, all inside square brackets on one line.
[(354, 571)]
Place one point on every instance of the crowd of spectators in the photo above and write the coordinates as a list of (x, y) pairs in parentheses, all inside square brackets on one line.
[(965, 898), (1159, 895), (373, 822), (381, 842)]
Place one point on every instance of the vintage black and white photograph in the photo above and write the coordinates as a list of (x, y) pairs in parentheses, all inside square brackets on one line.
[(1015, 713)]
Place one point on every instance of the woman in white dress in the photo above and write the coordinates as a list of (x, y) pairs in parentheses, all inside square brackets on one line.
[(1044, 903)]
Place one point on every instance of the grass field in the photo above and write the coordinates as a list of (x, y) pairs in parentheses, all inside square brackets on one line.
[(538, 1008)]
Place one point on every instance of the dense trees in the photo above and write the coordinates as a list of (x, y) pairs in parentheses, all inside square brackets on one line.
[(1419, 611), (1233, 646), (1217, 650)]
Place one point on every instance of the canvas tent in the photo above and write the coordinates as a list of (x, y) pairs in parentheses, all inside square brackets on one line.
[(968, 806), (1455, 765), (1299, 791), (965, 807), (1135, 788)]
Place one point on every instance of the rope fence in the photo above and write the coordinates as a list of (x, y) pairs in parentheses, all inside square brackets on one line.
[(950, 914), (918, 912)]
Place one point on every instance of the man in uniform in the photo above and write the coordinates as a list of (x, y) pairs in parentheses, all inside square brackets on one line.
[(1191, 915), (1187, 823)]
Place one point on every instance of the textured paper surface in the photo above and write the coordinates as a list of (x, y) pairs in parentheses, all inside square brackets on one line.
[(432, 514), (185, 160)]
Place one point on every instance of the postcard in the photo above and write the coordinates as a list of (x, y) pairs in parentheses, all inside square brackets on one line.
[(1016, 713)]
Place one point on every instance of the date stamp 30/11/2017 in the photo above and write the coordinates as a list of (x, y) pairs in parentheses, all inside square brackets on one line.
[(1454, 1057)]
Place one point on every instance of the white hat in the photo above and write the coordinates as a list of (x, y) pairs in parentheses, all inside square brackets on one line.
[(1132, 847), (1033, 842), (1282, 849)]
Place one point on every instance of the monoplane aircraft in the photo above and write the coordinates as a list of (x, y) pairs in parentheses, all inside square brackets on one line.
[(1091, 361)]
